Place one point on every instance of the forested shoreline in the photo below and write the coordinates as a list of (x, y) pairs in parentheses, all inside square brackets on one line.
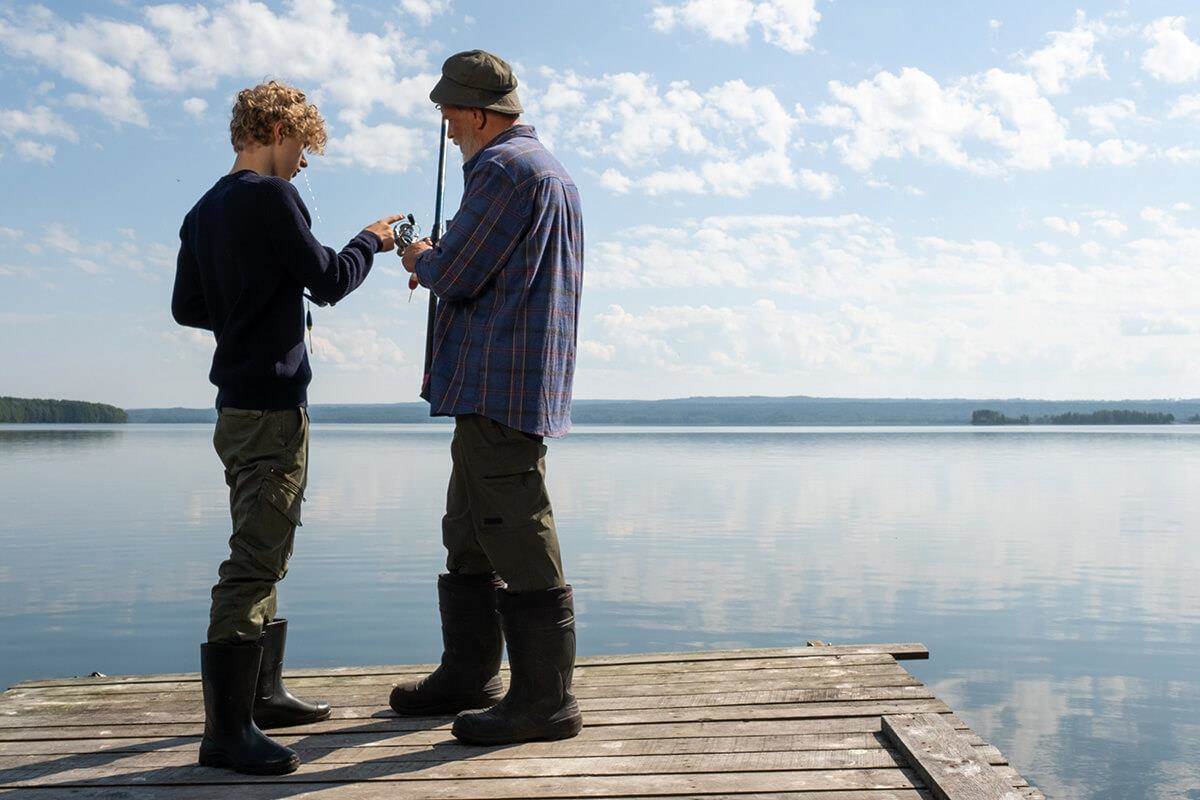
[(36, 410), (742, 411), (1109, 416)]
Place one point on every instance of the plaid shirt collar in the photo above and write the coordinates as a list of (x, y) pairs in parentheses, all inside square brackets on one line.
[(499, 138)]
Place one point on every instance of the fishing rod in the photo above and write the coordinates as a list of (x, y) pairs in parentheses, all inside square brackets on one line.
[(406, 232), (435, 236)]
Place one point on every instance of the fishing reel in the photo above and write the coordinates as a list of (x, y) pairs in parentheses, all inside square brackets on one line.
[(406, 231)]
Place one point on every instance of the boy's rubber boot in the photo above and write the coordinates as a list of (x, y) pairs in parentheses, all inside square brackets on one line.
[(229, 676), (274, 705)]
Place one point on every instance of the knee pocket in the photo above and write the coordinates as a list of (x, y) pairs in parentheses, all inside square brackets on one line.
[(265, 531)]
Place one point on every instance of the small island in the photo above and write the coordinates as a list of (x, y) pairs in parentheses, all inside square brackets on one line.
[(26, 410), (1105, 417)]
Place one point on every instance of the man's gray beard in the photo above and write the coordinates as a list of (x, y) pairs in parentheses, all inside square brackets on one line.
[(469, 139)]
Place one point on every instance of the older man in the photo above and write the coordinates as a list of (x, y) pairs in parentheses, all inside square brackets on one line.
[(507, 274)]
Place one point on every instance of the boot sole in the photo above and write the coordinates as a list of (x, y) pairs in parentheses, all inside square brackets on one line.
[(221, 762), (270, 724), (561, 730)]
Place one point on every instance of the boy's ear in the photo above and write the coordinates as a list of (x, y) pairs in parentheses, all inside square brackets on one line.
[(278, 130)]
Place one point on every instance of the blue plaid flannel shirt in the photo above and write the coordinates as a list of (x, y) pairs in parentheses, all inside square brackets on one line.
[(507, 274)]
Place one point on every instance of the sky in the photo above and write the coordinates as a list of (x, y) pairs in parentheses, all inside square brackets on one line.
[(831, 198)]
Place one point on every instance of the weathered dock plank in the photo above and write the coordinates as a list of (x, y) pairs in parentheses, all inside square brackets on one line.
[(809, 675), (350, 747), (899, 651), (950, 767), (802, 723), (358, 703)]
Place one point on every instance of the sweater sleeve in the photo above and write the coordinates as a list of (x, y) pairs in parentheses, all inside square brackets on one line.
[(328, 275), (187, 301)]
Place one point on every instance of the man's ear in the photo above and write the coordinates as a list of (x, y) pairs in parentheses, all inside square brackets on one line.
[(277, 129)]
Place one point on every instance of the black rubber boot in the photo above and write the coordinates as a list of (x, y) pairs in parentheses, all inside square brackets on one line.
[(274, 705), (228, 674), (472, 644), (540, 629)]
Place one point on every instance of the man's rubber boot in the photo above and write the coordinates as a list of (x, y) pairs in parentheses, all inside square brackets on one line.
[(472, 645), (229, 675), (540, 629), (274, 705)]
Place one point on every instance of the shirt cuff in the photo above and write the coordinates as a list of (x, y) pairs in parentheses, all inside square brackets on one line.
[(422, 269)]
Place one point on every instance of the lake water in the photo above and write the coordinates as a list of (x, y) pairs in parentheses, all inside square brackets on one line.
[(1054, 574)]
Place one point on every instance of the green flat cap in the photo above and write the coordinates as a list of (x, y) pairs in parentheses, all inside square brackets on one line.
[(477, 79)]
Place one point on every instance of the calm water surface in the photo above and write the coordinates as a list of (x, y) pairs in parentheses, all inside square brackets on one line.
[(1053, 573)]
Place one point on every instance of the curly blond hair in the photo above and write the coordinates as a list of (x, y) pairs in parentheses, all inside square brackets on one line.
[(256, 111)]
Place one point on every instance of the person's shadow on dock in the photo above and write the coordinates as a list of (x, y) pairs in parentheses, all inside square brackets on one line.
[(382, 728)]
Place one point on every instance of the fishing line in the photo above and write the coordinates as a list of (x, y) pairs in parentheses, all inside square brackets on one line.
[(316, 210), (308, 317)]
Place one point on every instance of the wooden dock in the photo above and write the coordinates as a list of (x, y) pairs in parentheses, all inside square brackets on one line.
[(811, 723)]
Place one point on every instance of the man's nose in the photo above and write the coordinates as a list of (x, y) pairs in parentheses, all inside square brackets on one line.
[(303, 162)]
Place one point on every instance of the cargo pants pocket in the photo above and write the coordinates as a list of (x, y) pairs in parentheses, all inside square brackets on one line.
[(265, 534)]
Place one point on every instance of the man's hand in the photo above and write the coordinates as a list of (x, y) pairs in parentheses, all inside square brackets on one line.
[(410, 254), (383, 229)]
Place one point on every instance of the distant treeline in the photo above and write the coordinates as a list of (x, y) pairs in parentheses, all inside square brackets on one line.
[(19, 409), (1105, 417), (763, 411)]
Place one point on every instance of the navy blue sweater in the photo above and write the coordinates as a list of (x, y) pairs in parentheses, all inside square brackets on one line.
[(246, 255)]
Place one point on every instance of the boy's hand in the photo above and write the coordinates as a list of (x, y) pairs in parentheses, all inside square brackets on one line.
[(383, 229)]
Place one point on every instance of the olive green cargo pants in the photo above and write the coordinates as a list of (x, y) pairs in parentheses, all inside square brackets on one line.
[(265, 454), (498, 514)]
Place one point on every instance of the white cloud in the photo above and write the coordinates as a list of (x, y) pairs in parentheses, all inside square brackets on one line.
[(424, 10), (1111, 226), (1119, 152), (995, 24), (787, 24), (178, 48), (1069, 56), (59, 237), (1142, 325), (195, 106), (1061, 225), (35, 151), (880, 183), (677, 179), (1103, 117), (728, 140), (597, 350), (192, 339), (1183, 155), (37, 121), (1186, 107), (987, 123), (855, 303), (823, 184), (614, 180), (100, 56), (357, 349), (151, 261), (384, 147), (1173, 57)]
